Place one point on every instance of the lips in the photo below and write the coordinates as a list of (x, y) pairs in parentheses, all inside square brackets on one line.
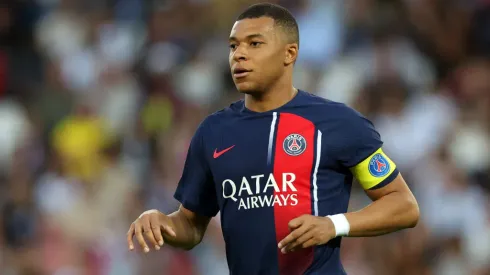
[(240, 72)]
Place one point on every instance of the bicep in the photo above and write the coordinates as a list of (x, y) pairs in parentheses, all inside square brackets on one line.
[(360, 150), (375, 171), (355, 139), (398, 185)]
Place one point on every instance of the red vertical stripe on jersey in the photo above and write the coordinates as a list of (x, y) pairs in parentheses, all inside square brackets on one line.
[(301, 165)]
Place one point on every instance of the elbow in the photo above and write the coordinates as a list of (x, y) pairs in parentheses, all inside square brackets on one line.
[(190, 246), (412, 213), (196, 240)]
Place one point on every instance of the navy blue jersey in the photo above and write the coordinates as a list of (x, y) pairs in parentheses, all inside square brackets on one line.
[(261, 170)]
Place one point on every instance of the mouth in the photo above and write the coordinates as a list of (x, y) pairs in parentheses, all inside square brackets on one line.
[(240, 73)]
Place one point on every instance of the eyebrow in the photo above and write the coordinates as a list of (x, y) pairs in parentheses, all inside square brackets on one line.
[(248, 37)]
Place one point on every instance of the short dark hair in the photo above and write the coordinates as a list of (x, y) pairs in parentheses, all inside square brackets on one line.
[(282, 18)]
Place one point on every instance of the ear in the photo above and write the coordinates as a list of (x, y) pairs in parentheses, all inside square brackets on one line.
[(291, 54)]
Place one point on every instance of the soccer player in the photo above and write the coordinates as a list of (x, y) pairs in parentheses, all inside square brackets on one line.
[(279, 167)]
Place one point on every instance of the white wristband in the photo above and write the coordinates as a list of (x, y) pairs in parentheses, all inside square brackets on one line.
[(341, 224)]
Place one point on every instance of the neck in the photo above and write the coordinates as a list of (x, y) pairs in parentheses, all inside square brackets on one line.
[(274, 97)]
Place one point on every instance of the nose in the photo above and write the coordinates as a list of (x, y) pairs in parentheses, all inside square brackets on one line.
[(240, 54)]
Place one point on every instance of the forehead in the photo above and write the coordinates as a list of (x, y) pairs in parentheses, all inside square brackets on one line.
[(245, 27)]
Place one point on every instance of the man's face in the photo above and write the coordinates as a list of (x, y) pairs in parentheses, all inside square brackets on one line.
[(257, 54)]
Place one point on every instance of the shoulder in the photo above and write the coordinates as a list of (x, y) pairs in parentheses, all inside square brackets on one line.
[(220, 118), (333, 112), (347, 135), (344, 126)]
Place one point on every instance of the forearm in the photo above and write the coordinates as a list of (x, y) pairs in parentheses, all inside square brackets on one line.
[(390, 213), (188, 232)]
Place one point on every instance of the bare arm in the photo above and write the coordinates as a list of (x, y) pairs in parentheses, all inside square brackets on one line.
[(189, 228), (393, 208), (182, 229)]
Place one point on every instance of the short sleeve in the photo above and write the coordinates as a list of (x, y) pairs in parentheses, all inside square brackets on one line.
[(196, 190), (361, 151)]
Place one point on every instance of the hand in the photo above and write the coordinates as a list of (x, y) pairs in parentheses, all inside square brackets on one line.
[(307, 231), (151, 223)]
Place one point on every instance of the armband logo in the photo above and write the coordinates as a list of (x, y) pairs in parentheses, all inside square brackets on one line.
[(378, 166)]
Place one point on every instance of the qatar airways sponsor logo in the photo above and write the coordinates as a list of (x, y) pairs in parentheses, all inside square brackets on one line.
[(262, 191)]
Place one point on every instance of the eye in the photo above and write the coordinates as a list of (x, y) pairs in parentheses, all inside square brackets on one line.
[(255, 44), (232, 46)]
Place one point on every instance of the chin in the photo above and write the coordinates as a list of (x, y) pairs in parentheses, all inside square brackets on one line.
[(246, 87)]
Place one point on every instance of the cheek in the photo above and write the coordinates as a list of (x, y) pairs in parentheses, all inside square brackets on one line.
[(271, 63), (274, 67), (230, 60)]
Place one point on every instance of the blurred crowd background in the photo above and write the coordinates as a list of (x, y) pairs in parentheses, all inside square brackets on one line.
[(99, 99)]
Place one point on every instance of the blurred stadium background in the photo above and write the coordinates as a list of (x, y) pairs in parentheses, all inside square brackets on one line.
[(99, 99)]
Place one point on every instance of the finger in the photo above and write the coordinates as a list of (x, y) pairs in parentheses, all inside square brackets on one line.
[(139, 237), (292, 236), (149, 234), (309, 243), (298, 243), (295, 223), (157, 232), (169, 230), (129, 236)]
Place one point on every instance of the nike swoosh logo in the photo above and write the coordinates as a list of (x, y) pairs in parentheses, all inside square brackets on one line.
[(218, 154)]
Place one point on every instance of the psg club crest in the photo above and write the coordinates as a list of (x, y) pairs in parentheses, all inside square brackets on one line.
[(379, 166), (294, 144)]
